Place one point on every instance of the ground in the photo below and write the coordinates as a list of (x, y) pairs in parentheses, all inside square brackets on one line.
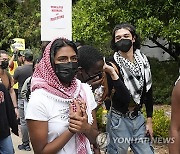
[(161, 149)]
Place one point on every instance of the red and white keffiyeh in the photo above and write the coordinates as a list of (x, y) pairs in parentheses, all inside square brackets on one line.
[(44, 77)]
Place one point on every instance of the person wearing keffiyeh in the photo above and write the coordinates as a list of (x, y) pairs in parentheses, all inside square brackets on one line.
[(60, 113), (133, 88)]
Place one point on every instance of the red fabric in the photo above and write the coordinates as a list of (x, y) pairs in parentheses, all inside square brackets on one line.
[(81, 144)]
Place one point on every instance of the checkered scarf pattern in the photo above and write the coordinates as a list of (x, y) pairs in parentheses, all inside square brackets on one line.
[(135, 73), (44, 77)]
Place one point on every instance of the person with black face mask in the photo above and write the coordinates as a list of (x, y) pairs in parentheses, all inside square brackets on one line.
[(66, 71), (4, 64), (6, 78), (61, 111), (133, 87)]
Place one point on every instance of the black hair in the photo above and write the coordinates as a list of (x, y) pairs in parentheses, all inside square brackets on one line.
[(136, 44), (88, 56), (59, 43)]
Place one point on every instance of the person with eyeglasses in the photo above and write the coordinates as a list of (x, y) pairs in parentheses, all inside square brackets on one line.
[(90, 66), (90, 71)]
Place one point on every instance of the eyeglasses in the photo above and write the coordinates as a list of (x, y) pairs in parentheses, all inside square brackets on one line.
[(99, 75)]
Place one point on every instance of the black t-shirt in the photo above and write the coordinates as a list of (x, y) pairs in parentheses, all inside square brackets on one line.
[(21, 74)]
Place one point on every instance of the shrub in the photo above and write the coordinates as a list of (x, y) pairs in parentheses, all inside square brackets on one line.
[(161, 123), (164, 75), (99, 113)]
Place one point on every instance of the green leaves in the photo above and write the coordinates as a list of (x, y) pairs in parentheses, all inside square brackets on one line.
[(20, 20), (93, 20), (88, 23), (149, 27)]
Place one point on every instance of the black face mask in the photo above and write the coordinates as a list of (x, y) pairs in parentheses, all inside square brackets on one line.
[(123, 45), (66, 71), (4, 64)]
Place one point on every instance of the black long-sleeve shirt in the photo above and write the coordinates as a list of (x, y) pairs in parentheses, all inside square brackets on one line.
[(122, 98)]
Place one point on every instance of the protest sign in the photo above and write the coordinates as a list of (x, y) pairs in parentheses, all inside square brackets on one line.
[(17, 43), (56, 19)]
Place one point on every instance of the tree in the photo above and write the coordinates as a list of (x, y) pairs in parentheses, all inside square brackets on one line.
[(20, 20), (93, 21)]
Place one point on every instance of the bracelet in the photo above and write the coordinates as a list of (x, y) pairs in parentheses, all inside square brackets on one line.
[(15, 107)]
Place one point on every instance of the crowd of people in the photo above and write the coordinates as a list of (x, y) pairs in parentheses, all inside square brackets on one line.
[(56, 96)]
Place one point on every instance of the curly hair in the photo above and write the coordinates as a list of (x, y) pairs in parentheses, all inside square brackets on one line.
[(88, 56)]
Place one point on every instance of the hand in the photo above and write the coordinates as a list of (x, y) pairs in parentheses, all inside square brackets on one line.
[(95, 80), (95, 83), (15, 51), (76, 106), (111, 71), (108, 69), (96, 151), (149, 127), (78, 122)]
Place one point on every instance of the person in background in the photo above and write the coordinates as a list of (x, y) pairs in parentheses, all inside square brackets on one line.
[(90, 70), (90, 66), (6, 78), (20, 75), (61, 111), (26, 91), (8, 121), (175, 123), (16, 60), (133, 87)]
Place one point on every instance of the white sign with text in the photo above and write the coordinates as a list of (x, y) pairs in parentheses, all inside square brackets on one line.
[(56, 19)]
